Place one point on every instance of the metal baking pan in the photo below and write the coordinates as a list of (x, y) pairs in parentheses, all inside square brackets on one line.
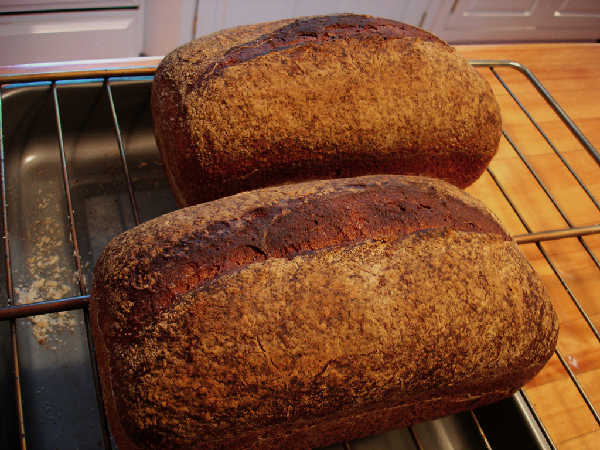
[(108, 177)]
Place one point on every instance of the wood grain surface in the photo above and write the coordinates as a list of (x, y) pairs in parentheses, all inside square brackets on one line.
[(570, 73)]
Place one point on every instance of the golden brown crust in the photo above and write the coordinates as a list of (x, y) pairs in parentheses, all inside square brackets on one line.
[(309, 101), (311, 344)]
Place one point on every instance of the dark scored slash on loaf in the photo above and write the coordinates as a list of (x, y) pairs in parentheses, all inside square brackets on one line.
[(302, 315), (315, 98), (378, 208), (316, 31)]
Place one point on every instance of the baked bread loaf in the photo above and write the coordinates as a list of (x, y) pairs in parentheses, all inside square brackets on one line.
[(315, 98), (301, 315)]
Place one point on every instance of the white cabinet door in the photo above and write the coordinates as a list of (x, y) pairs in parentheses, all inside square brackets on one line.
[(49, 37), (516, 20), (491, 13), (20, 6), (575, 14)]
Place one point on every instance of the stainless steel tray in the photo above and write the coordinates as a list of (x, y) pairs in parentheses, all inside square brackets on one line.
[(79, 165), (59, 400)]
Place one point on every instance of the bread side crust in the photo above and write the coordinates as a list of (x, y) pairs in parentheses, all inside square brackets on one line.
[(333, 333)]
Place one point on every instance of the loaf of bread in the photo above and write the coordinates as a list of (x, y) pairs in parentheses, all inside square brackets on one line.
[(315, 98), (302, 315)]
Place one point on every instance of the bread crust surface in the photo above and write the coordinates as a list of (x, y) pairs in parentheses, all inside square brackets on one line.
[(408, 301), (321, 97)]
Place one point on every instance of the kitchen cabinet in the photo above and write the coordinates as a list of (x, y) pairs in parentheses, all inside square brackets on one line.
[(17, 6), (461, 21), (169, 24), (45, 31)]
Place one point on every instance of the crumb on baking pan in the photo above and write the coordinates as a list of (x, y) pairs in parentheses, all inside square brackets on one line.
[(50, 276)]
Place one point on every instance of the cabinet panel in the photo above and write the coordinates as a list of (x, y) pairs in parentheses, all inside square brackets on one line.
[(30, 38), (487, 13), (463, 21), (495, 8), (578, 8), (576, 13), (16, 6)]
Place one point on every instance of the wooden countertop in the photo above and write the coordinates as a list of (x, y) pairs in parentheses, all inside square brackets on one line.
[(570, 73)]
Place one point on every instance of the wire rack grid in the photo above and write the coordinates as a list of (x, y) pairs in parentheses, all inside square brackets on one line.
[(108, 77)]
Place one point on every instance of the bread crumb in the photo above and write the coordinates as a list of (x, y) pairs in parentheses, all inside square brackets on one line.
[(51, 277), (45, 325)]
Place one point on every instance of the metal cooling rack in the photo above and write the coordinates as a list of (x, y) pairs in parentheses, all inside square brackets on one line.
[(108, 78)]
